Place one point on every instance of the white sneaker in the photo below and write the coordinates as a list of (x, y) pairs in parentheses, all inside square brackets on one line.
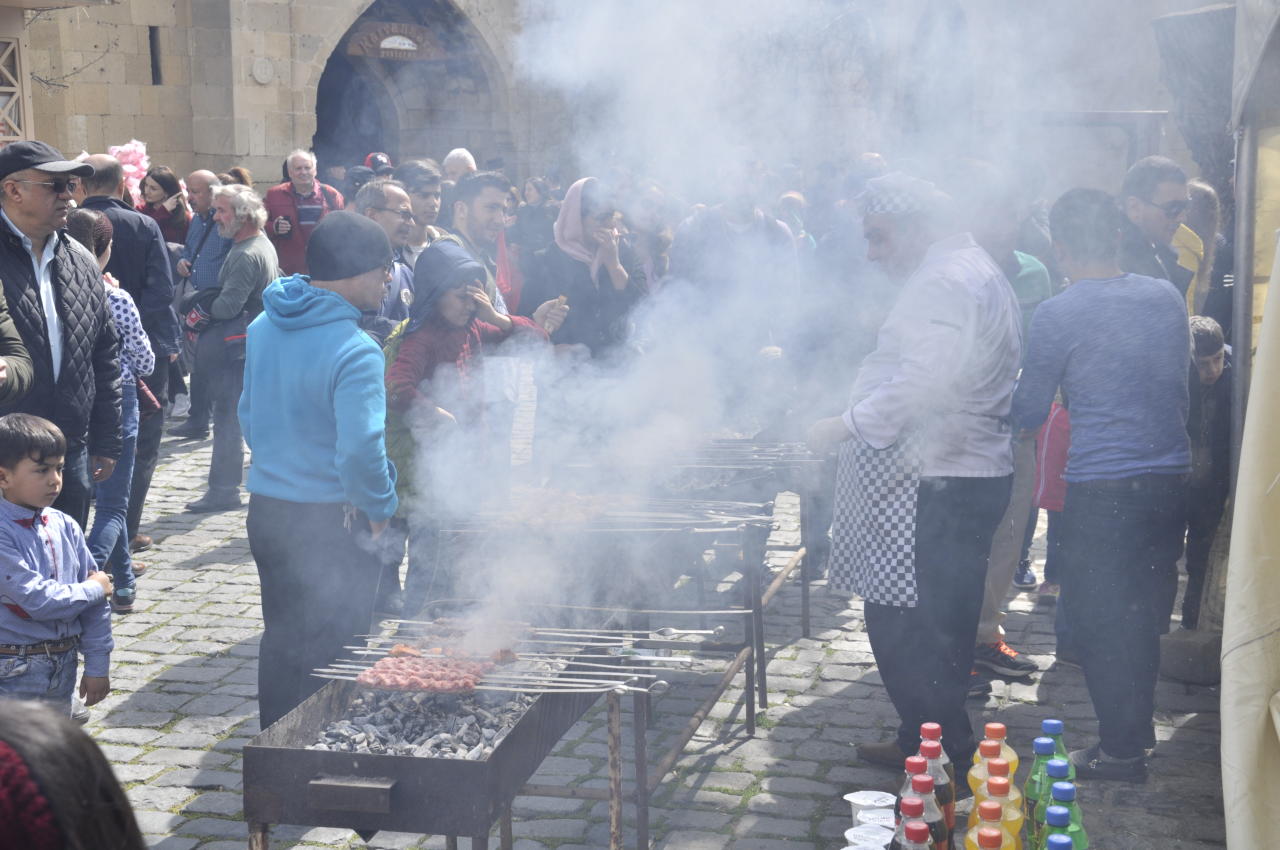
[(181, 406)]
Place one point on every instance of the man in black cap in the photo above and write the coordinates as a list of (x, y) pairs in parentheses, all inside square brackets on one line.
[(58, 303), (140, 262), (313, 411)]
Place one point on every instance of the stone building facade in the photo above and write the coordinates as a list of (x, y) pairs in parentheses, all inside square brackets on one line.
[(221, 82)]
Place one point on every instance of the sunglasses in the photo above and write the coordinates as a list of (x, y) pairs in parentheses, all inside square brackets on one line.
[(405, 215), (59, 185), (1171, 209)]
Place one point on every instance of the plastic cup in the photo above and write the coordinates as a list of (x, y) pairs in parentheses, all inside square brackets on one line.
[(878, 817), (859, 800), (870, 834)]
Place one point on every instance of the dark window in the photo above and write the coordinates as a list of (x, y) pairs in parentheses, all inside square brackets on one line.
[(153, 40)]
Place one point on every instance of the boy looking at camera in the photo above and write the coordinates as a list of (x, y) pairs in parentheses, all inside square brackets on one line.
[(53, 599)]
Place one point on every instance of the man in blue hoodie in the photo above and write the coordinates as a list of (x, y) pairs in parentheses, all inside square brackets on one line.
[(321, 487)]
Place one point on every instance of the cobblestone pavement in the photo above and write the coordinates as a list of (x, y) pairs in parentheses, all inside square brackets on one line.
[(183, 707)]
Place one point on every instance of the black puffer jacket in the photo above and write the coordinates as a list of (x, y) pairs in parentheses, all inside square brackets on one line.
[(85, 401)]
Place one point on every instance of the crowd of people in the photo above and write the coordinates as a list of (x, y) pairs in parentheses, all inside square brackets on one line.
[(965, 352)]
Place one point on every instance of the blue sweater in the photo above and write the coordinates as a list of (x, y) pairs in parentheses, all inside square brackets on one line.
[(1119, 349), (314, 404)]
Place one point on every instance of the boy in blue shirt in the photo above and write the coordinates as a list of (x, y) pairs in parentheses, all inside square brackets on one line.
[(53, 599)]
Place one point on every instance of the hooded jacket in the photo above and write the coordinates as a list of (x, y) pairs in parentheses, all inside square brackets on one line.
[(313, 408)]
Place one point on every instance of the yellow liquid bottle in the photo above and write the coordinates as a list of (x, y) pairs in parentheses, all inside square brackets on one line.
[(987, 750), (990, 834), (997, 732), (996, 767), (1000, 790)]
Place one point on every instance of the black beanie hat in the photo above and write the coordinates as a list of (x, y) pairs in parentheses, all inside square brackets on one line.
[(344, 245)]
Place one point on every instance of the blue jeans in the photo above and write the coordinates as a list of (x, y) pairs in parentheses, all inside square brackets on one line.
[(1121, 540), (109, 538), (42, 676)]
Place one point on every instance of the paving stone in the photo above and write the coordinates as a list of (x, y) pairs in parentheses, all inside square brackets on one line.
[(772, 804), (170, 842), (145, 796), (157, 823), (197, 778), (753, 824), (186, 758)]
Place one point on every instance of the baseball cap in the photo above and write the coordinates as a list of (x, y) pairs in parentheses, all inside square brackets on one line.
[(345, 245), (18, 156)]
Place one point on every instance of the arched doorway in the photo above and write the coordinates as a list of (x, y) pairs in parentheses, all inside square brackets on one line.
[(414, 79)]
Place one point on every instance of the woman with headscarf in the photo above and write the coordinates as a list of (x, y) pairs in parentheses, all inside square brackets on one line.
[(590, 267)]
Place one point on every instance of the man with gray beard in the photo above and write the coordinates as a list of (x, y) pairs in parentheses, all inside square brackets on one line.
[(925, 462), (250, 265)]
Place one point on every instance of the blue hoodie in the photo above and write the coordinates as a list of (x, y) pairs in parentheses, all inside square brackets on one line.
[(314, 404)]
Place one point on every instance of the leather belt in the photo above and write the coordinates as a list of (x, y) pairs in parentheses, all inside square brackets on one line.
[(48, 647)]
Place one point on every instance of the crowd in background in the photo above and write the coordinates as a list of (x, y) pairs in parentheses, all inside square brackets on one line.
[(415, 289)]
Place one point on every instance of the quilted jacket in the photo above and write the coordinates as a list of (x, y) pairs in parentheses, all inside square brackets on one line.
[(85, 401)]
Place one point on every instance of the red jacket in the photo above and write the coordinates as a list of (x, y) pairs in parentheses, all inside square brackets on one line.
[(458, 387), (1052, 444), (292, 247)]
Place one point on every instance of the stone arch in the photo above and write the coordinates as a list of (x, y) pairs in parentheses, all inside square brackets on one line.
[(330, 23)]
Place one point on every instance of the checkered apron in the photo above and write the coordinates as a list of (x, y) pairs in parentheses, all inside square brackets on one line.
[(874, 527)]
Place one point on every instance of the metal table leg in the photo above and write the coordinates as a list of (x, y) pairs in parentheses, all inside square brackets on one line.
[(753, 549), (505, 839), (614, 704), (806, 542), (640, 706), (259, 836)]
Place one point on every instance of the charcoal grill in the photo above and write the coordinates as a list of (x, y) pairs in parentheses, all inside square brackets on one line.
[(285, 782)]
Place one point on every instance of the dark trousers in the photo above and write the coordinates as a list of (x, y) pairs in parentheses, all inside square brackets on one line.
[(1121, 541), (925, 653), (1204, 512), (150, 430), (198, 386), (77, 485), (224, 375), (318, 584)]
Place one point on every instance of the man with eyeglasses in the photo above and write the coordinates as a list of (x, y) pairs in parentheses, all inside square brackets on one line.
[(59, 305), (1154, 200), (386, 202)]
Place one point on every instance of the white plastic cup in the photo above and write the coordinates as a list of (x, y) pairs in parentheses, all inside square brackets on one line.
[(859, 800), (868, 834), (878, 817)]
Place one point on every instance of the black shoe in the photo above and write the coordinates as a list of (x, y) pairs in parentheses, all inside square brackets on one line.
[(211, 502), (1001, 659), (189, 431), (1025, 577), (1095, 764), (883, 754), (979, 687)]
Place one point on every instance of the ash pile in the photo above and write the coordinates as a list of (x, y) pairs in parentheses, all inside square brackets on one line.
[(425, 725)]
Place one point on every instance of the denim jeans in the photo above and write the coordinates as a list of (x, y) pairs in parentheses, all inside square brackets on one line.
[(150, 430), (42, 676), (77, 484), (225, 377), (1121, 540), (109, 537)]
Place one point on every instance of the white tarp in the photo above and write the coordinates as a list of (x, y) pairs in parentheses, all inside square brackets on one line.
[(1251, 631)]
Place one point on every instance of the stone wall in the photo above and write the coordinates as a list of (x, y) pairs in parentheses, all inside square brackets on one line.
[(238, 78)]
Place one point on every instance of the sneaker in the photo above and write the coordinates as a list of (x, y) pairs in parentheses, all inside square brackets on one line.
[(181, 406), (1025, 577), (122, 600), (140, 543), (979, 686), (189, 431), (212, 502), (1093, 763), (1001, 659)]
